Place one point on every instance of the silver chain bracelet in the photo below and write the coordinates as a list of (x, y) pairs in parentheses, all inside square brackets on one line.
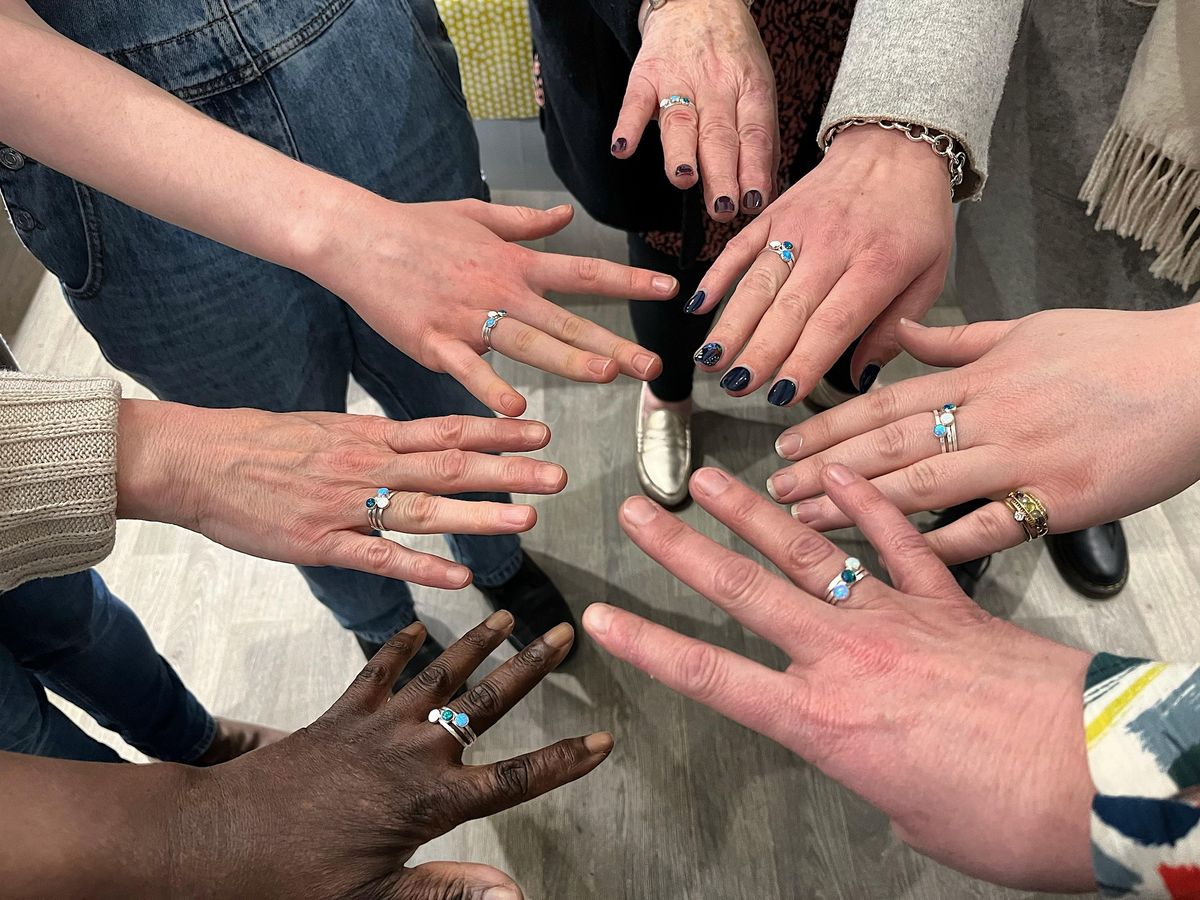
[(652, 5), (943, 145)]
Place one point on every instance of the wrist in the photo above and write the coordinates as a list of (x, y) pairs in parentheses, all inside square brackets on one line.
[(154, 440), (872, 145), (332, 211)]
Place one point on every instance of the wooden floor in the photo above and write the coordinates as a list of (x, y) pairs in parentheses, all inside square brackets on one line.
[(689, 805)]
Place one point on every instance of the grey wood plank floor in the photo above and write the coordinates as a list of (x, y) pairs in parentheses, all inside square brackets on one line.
[(689, 805)]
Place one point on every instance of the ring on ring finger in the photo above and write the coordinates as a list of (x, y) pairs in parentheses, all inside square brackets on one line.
[(785, 250), (375, 507), (675, 100), (945, 427), (851, 574)]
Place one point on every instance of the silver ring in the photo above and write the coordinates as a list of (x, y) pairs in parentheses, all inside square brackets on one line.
[(457, 723), (375, 507), (785, 250), (945, 427), (675, 100), (839, 589), (493, 317)]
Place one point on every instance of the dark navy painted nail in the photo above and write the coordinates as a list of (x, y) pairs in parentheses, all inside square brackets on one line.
[(870, 373), (709, 354), (736, 379), (684, 171), (695, 303), (782, 392), (619, 145), (752, 200), (723, 205)]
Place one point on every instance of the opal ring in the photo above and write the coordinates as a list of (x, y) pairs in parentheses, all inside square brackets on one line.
[(493, 316), (839, 588), (456, 723), (675, 100), (375, 507), (785, 250), (1030, 513), (945, 427)]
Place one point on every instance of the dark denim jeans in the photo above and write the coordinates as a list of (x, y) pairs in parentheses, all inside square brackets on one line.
[(365, 89), (71, 635)]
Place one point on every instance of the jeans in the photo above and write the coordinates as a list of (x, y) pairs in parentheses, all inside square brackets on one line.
[(364, 89), (72, 636)]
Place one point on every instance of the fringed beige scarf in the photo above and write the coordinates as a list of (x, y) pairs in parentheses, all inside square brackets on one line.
[(1145, 181)]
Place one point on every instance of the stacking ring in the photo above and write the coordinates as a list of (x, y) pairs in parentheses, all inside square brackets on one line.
[(674, 100), (456, 723), (1030, 513), (375, 507), (493, 317), (785, 250), (839, 588), (945, 428)]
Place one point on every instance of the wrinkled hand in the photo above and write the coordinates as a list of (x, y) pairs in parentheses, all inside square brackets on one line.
[(292, 487), (338, 808), (872, 226), (425, 275), (1096, 412), (966, 731), (711, 53)]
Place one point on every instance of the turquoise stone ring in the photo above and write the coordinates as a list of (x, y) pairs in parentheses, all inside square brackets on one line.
[(457, 724), (375, 507), (839, 589), (493, 318), (785, 250)]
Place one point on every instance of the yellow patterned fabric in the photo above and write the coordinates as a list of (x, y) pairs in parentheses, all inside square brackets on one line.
[(495, 55)]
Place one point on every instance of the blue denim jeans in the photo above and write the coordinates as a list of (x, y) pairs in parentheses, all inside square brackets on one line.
[(72, 636), (365, 89)]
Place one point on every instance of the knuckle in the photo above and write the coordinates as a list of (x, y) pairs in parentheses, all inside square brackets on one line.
[(571, 328), (700, 671), (435, 678), (376, 555), (805, 550), (419, 508), (525, 340), (761, 281), (882, 406), (373, 674), (720, 135), (891, 442), (921, 480), (837, 321), (485, 700), (882, 259), (734, 578), (513, 777), (756, 135), (349, 461), (450, 466), (796, 304), (533, 658), (908, 544), (587, 269), (449, 431)]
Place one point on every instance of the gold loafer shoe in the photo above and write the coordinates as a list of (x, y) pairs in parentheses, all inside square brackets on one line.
[(664, 455)]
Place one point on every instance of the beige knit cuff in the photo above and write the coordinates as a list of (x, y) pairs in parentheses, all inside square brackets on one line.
[(58, 474)]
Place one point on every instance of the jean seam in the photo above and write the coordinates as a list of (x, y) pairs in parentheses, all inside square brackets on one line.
[(502, 572)]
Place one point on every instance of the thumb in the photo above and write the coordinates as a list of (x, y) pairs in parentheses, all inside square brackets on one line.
[(523, 223), (955, 345), (455, 881)]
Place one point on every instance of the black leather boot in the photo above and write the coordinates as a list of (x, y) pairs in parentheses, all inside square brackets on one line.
[(535, 603), (430, 650), (1095, 561)]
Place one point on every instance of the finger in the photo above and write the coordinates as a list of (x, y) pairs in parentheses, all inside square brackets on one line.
[(935, 483), (492, 698), (441, 678), (379, 556), (599, 277), (987, 530), (879, 345), (737, 256), (677, 125), (503, 785), (527, 344), (520, 223), (455, 881), (914, 568), (809, 560), (864, 414), (758, 154), (459, 471), (414, 513), (737, 688), (753, 297), (745, 590), (955, 345), (372, 687), (718, 151), (577, 331), (638, 108), (470, 370), (463, 433)]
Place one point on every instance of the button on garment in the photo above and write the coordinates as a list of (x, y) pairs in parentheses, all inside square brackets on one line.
[(11, 159), (23, 219)]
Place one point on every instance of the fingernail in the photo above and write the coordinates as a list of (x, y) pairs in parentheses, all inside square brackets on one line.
[(839, 474), (782, 392), (709, 354), (643, 361), (736, 379), (459, 575), (600, 742), (415, 627), (788, 445), (803, 512), (598, 617), (559, 636), (639, 510), (752, 200), (684, 171), (515, 515), (695, 303), (501, 892), (510, 401), (561, 208), (552, 476), (869, 374), (910, 323), (711, 481), (536, 433), (664, 283), (599, 366), (500, 620), (619, 145), (723, 205), (780, 483)]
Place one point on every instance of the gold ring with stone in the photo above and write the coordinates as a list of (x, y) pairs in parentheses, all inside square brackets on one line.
[(1030, 513)]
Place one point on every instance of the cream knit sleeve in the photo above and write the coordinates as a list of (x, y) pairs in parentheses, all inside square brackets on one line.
[(58, 474)]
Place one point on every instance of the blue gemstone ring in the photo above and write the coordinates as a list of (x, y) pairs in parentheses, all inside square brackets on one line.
[(456, 723), (839, 589), (945, 427), (493, 317), (675, 100), (785, 250), (375, 507)]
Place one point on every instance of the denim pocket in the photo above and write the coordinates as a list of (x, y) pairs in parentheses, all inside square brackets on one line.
[(431, 34)]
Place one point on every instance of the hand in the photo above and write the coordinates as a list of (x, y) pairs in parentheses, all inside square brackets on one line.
[(293, 486), (711, 53), (338, 808), (966, 731), (1096, 412), (424, 276), (872, 226)]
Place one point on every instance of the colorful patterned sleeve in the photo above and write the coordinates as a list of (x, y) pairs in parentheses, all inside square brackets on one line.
[(1142, 722)]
